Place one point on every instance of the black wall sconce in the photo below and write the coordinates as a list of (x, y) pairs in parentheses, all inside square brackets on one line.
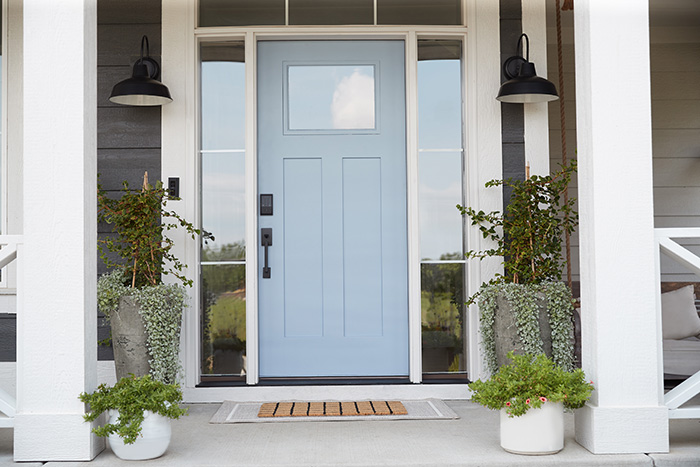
[(143, 88), (523, 85)]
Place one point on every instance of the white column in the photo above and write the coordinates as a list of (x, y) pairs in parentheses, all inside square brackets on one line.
[(483, 157), (620, 326), (536, 116), (57, 331)]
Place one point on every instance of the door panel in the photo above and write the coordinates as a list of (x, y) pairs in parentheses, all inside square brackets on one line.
[(333, 156)]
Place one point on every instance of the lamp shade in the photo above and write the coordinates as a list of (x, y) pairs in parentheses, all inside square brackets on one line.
[(142, 89), (527, 87)]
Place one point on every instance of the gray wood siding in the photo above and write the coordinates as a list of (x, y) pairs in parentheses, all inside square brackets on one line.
[(675, 96), (128, 138)]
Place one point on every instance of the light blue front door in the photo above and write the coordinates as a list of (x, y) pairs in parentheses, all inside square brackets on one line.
[(331, 152)]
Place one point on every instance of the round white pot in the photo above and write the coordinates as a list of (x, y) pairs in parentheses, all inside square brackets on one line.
[(152, 443), (539, 431)]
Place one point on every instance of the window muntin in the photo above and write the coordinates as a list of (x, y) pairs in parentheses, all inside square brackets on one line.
[(222, 197), (440, 180)]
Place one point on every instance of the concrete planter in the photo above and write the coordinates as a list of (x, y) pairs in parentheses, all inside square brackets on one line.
[(506, 329), (537, 432), (153, 441), (129, 340)]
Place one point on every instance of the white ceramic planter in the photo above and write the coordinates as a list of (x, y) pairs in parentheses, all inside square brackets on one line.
[(152, 443), (539, 431)]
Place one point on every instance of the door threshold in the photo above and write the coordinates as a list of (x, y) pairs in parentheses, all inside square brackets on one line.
[(334, 381)]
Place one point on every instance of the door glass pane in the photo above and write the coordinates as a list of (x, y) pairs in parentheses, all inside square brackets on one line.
[(335, 97), (240, 12), (223, 320), (442, 312), (331, 12), (419, 12), (439, 192)]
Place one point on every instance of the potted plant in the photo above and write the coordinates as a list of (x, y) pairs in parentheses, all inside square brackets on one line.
[(144, 313), (531, 393), (527, 307), (140, 410)]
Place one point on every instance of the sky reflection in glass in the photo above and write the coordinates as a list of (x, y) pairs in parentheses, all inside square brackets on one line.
[(335, 97)]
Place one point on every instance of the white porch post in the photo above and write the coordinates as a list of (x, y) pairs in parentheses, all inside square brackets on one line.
[(56, 351), (620, 326)]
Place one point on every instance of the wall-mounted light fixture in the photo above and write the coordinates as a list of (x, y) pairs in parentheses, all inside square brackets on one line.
[(143, 88), (523, 84)]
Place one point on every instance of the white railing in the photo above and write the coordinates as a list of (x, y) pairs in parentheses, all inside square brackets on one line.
[(8, 253), (689, 388)]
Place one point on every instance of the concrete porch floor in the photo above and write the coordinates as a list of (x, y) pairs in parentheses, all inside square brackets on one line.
[(470, 441)]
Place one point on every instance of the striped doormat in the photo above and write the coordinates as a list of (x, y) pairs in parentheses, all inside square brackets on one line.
[(331, 409), (303, 411)]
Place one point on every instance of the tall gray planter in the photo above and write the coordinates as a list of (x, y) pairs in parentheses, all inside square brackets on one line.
[(526, 319), (506, 329), (129, 339)]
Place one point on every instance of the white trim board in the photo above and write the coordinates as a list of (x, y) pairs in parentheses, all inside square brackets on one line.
[(320, 393)]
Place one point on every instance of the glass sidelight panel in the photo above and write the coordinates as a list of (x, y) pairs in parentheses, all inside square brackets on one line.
[(222, 211), (224, 320), (442, 313), (440, 181)]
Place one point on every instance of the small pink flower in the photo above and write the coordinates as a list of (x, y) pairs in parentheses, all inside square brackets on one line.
[(543, 399), (527, 401), (507, 404), (591, 383)]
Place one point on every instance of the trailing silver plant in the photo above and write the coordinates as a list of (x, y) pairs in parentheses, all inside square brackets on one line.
[(523, 300), (161, 310)]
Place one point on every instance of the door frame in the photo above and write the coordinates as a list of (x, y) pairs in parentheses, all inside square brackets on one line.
[(180, 136)]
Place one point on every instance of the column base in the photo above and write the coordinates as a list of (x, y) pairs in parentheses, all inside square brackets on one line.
[(54, 437), (622, 430)]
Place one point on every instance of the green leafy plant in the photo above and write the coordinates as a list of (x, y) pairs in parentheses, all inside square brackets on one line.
[(132, 396), (528, 382), (529, 235), (523, 301), (140, 218)]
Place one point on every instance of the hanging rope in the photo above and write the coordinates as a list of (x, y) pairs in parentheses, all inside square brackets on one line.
[(568, 5)]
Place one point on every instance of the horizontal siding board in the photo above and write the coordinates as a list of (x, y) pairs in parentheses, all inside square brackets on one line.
[(128, 11), (118, 165), (128, 127), (8, 337), (676, 221), (676, 142), (677, 201), (675, 114), (107, 77), (678, 85), (681, 57), (677, 172), (120, 44)]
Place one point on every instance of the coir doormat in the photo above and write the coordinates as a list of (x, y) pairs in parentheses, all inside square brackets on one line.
[(293, 411)]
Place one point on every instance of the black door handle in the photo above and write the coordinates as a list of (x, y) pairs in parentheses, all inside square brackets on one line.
[(266, 241)]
